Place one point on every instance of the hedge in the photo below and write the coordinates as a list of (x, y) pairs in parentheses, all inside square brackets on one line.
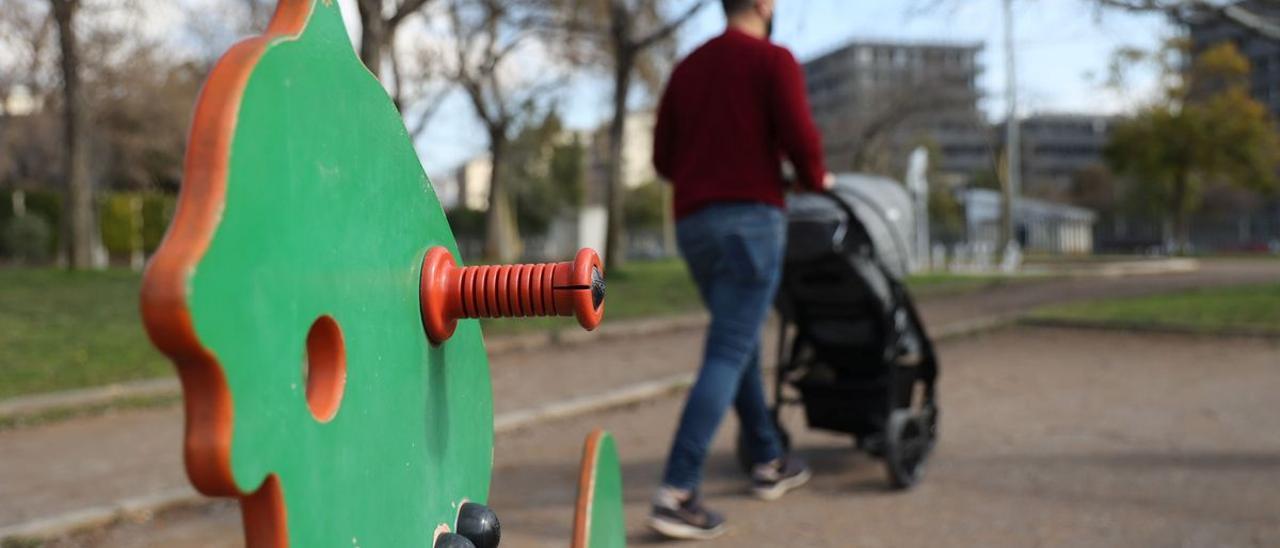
[(116, 219)]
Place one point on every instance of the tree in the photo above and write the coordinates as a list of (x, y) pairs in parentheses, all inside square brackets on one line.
[(645, 206), (946, 215), (24, 33), (80, 221), (1257, 16), (633, 31), (379, 19), (140, 113), (1204, 129), (24, 154), (484, 34), (214, 25), (1246, 14), (889, 111), (545, 172), (1094, 187)]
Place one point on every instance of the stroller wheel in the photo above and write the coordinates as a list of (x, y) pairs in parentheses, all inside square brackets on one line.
[(909, 438), (871, 444), (744, 456)]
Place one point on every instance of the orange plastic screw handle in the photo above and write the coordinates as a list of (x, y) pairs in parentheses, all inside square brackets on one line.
[(449, 293)]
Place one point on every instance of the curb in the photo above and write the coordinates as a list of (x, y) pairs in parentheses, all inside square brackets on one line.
[(98, 516), (18, 409), (505, 344), (505, 423), (149, 505), (1066, 323), (27, 406), (1116, 269), (620, 397), (973, 326)]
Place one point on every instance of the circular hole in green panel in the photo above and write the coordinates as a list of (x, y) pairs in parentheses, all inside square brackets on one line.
[(326, 368)]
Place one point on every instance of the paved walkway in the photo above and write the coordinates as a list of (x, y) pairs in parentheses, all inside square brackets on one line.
[(67, 467), (1049, 438)]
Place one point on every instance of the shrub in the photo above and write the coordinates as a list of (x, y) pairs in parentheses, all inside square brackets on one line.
[(157, 211), (118, 223), (28, 239)]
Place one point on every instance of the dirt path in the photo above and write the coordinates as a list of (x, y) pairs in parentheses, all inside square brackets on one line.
[(70, 466), (1050, 437)]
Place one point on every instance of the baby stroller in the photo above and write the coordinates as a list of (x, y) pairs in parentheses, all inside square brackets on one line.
[(851, 348)]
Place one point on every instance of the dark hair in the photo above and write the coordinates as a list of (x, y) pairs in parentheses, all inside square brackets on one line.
[(734, 7)]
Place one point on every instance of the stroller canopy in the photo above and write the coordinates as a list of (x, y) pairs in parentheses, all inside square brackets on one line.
[(881, 205)]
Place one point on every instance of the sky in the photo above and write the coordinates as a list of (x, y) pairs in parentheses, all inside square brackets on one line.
[(1063, 50)]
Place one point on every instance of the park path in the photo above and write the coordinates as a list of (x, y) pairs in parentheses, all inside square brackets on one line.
[(69, 466), (1050, 437)]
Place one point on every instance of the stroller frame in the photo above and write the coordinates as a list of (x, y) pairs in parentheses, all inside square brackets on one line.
[(892, 413)]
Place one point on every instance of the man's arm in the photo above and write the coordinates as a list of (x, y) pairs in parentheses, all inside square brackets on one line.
[(663, 133), (791, 116)]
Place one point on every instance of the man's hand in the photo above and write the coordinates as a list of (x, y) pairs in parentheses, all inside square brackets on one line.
[(828, 181)]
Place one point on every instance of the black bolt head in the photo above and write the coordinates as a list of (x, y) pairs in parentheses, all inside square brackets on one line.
[(453, 540), (480, 525), (597, 288)]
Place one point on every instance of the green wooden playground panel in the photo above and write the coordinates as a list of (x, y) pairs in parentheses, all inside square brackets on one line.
[(325, 215)]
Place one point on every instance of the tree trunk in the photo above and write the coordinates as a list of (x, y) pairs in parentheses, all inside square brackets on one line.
[(397, 92), (1006, 228), (615, 239), (501, 235), (78, 223), (1178, 205), (374, 34)]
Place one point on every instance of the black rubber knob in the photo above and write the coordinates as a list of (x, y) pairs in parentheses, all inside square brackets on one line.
[(597, 288), (480, 525), (453, 540)]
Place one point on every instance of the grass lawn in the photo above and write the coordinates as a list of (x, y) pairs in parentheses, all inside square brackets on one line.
[(62, 330), (1248, 307)]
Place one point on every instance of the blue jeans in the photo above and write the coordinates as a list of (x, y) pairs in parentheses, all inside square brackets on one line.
[(734, 252)]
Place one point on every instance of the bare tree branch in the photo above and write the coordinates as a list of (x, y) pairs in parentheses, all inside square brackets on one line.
[(1190, 10), (485, 36), (668, 29), (406, 8)]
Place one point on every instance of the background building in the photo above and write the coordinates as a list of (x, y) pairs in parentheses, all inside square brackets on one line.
[(466, 186), (1057, 147), (875, 101), (1040, 226)]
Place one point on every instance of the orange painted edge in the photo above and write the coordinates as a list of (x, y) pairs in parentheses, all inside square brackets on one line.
[(586, 489), (589, 317), (262, 514), (165, 307)]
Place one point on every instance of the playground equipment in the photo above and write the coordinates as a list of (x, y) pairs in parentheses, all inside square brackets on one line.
[(308, 296)]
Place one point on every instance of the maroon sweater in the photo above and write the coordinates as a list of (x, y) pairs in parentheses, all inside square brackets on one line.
[(731, 110)]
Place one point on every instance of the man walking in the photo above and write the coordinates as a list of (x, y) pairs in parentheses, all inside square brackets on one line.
[(732, 109)]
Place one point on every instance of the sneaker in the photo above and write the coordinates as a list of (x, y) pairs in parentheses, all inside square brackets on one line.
[(771, 480), (677, 518)]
